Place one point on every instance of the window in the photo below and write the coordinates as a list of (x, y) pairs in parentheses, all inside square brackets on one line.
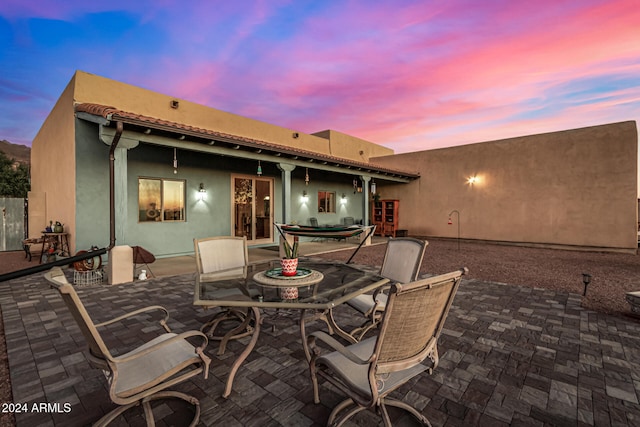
[(161, 200), (326, 202)]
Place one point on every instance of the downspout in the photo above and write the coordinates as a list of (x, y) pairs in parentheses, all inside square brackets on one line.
[(112, 197)]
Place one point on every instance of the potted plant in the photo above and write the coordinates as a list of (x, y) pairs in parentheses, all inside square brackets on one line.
[(290, 261)]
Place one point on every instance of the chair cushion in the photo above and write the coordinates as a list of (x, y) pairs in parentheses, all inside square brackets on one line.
[(146, 371), (356, 376)]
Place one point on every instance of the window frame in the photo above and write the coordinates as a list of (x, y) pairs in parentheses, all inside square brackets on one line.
[(326, 202), (160, 214)]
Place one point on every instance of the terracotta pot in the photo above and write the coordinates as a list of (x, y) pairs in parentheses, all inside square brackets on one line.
[(289, 293), (289, 266)]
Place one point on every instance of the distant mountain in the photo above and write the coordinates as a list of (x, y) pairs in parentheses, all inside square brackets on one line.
[(21, 153)]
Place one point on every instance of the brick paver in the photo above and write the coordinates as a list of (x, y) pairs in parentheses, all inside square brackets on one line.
[(510, 356)]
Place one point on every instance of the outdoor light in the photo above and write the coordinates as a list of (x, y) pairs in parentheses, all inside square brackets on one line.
[(202, 192), (472, 180), (586, 279), (373, 187), (259, 172), (451, 222), (305, 197), (355, 185), (306, 176), (175, 161), (343, 199)]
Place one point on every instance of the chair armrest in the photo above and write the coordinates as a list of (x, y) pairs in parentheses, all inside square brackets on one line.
[(179, 337), (383, 288), (163, 322), (335, 344)]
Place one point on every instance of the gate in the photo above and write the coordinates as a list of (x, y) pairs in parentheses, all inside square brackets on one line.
[(12, 229)]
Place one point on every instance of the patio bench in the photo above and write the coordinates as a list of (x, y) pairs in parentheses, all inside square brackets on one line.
[(31, 247)]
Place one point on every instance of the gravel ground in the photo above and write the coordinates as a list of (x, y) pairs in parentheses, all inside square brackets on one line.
[(613, 274)]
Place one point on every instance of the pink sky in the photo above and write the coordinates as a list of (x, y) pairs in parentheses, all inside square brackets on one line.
[(410, 75)]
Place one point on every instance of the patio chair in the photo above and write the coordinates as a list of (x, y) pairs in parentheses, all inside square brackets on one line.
[(401, 264), (143, 374), (224, 258), (405, 346)]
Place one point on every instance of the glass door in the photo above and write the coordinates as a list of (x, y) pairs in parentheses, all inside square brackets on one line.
[(252, 208)]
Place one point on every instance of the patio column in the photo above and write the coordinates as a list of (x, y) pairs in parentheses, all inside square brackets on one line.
[(120, 187), (365, 199), (286, 169)]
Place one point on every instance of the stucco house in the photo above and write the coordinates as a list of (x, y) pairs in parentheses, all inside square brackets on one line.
[(176, 170)]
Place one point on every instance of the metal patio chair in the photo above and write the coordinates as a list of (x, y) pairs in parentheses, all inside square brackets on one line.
[(401, 264), (367, 372), (143, 374), (224, 258)]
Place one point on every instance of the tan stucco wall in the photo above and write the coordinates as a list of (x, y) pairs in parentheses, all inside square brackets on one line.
[(576, 188), (99, 90), (53, 168), (347, 146)]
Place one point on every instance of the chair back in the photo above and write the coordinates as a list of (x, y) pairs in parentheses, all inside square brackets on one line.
[(412, 322), (402, 259), (221, 257), (97, 347), (313, 222)]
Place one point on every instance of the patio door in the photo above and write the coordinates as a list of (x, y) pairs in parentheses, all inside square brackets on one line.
[(252, 208)]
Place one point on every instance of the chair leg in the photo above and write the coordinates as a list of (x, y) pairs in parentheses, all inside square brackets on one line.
[(332, 421), (245, 353), (235, 333), (146, 404), (399, 404)]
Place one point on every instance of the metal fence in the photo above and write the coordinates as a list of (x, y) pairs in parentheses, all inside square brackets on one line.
[(13, 227)]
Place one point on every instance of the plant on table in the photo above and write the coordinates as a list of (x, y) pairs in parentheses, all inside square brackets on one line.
[(290, 251)]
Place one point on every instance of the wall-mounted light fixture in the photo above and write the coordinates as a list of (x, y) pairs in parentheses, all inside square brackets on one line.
[(374, 187), (343, 199), (305, 197), (259, 171), (202, 192), (174, 103), (473, 180)]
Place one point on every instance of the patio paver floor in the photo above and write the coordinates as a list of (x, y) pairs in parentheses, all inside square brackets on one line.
[(509, 355)]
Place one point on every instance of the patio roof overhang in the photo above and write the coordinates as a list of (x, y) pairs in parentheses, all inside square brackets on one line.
[(156, 131)]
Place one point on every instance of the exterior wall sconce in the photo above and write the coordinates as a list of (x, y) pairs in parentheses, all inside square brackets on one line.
[(374, 187), (305, 197), (259, 171), (343, 199), (473, 180), (174, 104), (202, 192)]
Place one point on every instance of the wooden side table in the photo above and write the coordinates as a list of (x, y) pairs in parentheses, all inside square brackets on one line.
[(57, 243)]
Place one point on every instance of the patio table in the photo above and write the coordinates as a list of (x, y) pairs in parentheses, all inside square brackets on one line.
[(338, 283)]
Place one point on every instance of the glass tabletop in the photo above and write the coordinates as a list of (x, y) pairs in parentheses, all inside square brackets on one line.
[(340, 282)]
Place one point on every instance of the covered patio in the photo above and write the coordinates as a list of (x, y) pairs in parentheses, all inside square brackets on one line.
[(510, 355)]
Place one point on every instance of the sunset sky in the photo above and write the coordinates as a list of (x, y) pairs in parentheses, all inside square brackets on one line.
[(407, 74)]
